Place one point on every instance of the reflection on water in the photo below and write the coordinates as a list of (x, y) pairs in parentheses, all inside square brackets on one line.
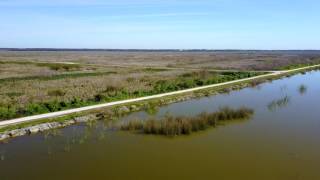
[(152, 109), (278, 144), (280, 103), (284, 88), (302, 89), (68, 139), (2, 155)]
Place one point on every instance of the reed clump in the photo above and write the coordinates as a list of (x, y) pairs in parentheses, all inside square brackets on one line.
[(175, 126)]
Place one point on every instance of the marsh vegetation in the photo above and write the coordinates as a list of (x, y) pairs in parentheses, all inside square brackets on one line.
[(240, 60), (175, 126), (12, 70)]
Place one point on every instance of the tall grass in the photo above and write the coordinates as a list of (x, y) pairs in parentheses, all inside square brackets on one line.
[(175, 126)]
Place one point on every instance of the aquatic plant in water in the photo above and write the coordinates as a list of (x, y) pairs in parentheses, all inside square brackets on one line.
[(174, 126)]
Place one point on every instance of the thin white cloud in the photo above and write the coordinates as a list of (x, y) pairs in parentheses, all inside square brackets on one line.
[(57, 3), (158, 15), (79, 2)]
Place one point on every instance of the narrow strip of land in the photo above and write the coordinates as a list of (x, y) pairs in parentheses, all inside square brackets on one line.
[(93, 107)]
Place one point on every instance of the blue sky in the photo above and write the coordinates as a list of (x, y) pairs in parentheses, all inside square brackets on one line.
[(160, 24)]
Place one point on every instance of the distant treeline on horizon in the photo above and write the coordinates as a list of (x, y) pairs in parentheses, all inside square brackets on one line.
[(152, 50)]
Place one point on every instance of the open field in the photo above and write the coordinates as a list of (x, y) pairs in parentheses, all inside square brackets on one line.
[(238, 60)]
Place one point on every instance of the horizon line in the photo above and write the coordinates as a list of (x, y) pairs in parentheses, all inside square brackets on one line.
[(151, 49)]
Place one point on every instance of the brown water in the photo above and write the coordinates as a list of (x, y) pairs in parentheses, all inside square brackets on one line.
[(281, 141)]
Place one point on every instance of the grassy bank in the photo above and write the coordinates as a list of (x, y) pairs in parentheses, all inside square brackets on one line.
[(175, 126)]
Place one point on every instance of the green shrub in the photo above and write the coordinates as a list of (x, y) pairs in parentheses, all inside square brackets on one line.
[(53, 106), (32, 109), (7, 112)]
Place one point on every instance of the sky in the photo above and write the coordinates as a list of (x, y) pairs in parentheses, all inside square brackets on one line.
[(160, 24)]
